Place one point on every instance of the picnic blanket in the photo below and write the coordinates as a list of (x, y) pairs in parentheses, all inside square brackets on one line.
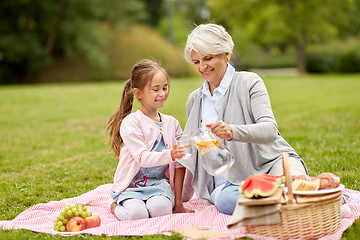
[(206, 219)]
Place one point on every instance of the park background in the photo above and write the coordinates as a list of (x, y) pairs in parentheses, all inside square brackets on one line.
[(63, 64), (94, 40)]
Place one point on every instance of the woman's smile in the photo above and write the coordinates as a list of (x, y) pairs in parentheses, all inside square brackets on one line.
[(207, 72)]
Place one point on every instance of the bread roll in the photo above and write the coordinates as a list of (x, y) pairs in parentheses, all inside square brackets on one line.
[(328, 180)]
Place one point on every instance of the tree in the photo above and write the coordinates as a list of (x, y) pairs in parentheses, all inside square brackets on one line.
[(297, 23), (155, 10), (34, 32), (185, 15)]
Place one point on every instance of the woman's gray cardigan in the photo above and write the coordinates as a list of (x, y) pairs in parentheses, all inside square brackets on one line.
[(256, 145)]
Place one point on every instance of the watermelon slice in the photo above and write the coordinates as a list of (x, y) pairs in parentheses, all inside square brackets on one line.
[(245, 183), (260, 185)]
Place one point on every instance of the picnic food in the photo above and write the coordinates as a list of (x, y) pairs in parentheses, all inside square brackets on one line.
[(93, 221), (68, 214), (76, 224), (260, 185), (328, 180), (321, 182), (304, 185)]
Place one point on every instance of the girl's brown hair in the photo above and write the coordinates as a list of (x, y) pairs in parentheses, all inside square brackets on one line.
[(141, 75)]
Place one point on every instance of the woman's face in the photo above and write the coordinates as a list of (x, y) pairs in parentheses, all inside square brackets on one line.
[(210, 67)]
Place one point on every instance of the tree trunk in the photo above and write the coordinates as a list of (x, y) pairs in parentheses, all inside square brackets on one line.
[(54, 28), (297, 43), (300, 57)]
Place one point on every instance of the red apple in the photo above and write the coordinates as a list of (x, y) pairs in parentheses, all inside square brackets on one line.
[(76, 224), (93, 221)]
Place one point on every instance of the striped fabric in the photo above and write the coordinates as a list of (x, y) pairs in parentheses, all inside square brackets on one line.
[(39, 218)]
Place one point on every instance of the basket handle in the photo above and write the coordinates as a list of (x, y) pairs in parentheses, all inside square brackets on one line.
[(288, 180)]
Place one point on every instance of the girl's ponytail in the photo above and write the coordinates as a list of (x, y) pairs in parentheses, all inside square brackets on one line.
[(141, 75), (117, 117)]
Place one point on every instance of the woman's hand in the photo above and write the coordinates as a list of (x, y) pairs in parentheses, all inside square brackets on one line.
[(177, 152), (221, 129)]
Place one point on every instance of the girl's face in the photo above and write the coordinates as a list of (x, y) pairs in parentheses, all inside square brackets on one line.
[(210, 67), (154, 94)]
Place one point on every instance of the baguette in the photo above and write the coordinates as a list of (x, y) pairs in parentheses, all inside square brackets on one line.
[(304, 185)]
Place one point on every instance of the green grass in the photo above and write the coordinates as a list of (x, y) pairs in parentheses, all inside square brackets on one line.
[(52, 144)]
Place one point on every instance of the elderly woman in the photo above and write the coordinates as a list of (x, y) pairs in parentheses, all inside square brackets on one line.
[(236, 106)]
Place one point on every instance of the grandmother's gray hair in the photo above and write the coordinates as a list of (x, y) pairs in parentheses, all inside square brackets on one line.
[(208, 39)]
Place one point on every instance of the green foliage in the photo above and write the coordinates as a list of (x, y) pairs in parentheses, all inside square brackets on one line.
[(20, 54), (155, 9), (142, 42), (321, 61), (179, 29), (37, 35), (349, 61), (353, 26), (184, 15), (295, 23), (273, 57), (33, 32), (53, 147), (273, 21), (126, 45), (338, 56)]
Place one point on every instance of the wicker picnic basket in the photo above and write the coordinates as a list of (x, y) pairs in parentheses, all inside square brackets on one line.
[(310, 220)]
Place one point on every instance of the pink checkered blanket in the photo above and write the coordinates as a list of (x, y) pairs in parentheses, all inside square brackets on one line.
[(39, 218)]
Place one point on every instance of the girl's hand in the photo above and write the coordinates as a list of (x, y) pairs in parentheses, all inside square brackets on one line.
[(177, 152), (221, 129)]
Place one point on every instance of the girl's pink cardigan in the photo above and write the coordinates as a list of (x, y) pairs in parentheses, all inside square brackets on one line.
[(139, 134)]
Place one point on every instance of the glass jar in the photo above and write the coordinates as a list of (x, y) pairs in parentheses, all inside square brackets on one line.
[(214, 156)]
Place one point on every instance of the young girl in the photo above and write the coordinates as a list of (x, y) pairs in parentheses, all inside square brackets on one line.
[(144, 182)]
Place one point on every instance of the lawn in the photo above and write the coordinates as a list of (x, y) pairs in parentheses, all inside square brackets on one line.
[(53, 144)]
